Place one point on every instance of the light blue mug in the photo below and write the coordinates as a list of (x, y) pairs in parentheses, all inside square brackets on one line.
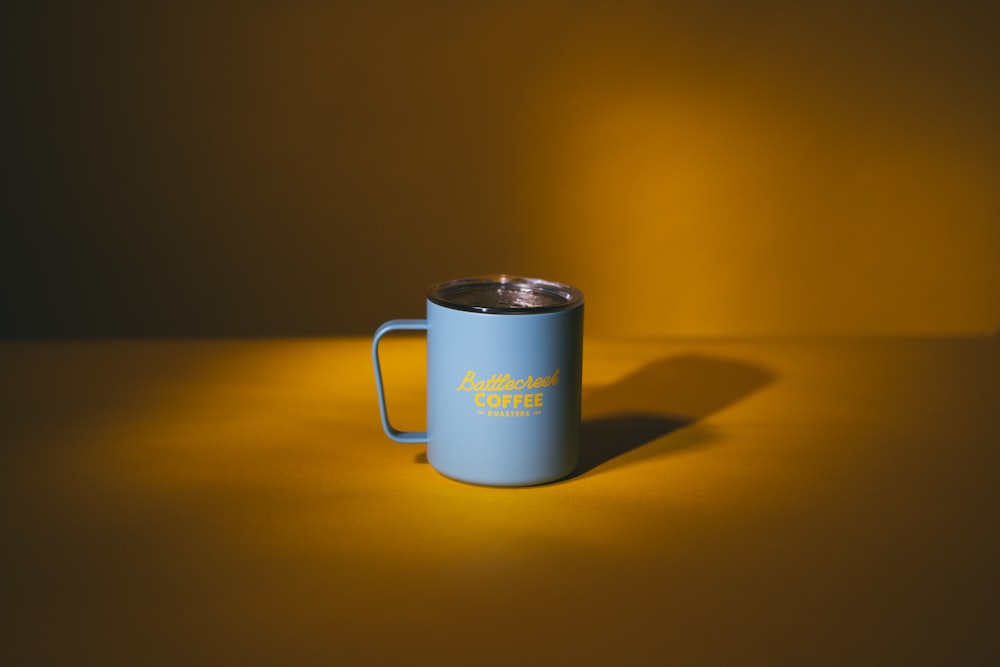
[(504, 366)]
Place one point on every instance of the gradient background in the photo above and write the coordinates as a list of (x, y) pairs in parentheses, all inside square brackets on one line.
[(296, 168)]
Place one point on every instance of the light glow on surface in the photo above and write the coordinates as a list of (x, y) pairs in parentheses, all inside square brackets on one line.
[(241, 498), (734, 205)]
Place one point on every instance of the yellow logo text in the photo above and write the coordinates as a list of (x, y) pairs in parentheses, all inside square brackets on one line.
[(505, 383)]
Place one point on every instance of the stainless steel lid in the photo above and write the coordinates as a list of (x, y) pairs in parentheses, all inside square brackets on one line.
[(505, 294)]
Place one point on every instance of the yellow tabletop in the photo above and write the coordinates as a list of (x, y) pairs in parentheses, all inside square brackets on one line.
[(744, 502)]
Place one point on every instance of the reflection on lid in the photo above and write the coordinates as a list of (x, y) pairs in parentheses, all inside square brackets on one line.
[(503, 296)]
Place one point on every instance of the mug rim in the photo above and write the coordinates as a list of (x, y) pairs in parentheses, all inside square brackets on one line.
[(571, 297)]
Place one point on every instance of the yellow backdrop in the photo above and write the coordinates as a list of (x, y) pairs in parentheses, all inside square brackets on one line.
[(309, 168)]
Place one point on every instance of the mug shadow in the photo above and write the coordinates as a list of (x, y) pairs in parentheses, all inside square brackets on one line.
[(658, 400)]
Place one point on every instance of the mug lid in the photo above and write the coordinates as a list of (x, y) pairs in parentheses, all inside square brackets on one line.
[(502, 293)]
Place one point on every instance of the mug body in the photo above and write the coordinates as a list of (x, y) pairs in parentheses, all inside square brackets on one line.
[(504, 385)]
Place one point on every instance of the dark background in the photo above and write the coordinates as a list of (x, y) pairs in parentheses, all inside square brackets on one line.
[(262, 169)]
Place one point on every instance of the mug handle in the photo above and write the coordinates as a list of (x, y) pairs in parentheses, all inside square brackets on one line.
[(394, 325)]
